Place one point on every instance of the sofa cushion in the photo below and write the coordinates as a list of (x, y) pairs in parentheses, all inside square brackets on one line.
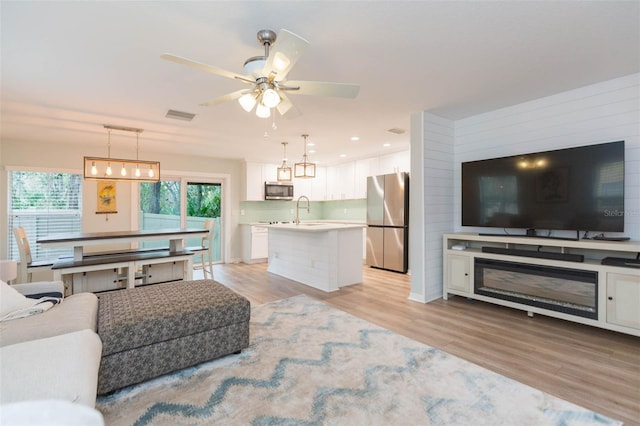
[(43, 411), (12, 301), (76, 312), (62, 367)]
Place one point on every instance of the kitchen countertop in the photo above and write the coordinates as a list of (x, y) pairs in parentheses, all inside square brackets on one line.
[(315, 226)]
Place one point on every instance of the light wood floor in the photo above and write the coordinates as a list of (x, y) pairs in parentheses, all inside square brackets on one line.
[(591, 367)]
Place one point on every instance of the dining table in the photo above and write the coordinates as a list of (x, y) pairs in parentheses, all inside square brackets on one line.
[(98, 271)]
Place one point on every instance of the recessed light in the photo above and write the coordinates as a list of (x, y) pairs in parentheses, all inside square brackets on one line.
[(386, 145), (343, 155), (312, 151), (355, 138), (311, 144)]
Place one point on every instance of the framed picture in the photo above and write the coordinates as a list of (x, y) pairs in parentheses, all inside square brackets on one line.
[(106, 197)]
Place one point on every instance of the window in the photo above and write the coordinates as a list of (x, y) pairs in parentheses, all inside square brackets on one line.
[(43, 204)]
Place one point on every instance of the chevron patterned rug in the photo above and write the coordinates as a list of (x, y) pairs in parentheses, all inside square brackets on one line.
[(311, 364)]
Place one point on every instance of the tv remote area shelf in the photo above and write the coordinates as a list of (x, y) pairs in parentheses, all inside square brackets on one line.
[(617, 288)]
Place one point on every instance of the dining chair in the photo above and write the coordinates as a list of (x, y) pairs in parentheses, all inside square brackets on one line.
[(8, 270), (27, 264), (204, 249)]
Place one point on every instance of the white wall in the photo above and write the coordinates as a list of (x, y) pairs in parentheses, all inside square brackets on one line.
[(604, 112)]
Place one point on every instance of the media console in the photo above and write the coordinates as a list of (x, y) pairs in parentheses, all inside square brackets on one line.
[(568, 279)]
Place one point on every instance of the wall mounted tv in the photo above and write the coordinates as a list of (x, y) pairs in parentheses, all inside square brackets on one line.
[(574, 189)]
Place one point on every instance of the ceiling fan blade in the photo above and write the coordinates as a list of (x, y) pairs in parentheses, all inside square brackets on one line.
[(286, 51), (204, 67), (228, 97), (323, 88), (286, 108)]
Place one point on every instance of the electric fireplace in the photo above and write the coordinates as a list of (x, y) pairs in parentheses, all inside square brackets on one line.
[(565, 290)]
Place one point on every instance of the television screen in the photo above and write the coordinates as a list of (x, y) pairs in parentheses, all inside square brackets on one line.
[(576, 189)]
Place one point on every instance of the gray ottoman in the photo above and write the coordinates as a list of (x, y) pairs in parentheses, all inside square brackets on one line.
[(153, 330)]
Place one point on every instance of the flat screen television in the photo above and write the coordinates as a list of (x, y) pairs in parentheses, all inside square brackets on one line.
[(574, 189)]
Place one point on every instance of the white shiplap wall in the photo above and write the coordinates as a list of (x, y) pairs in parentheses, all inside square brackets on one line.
[(603, 112), (438, 139)]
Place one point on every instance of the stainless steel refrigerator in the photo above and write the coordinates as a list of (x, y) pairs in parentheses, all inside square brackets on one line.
[(388, 222)]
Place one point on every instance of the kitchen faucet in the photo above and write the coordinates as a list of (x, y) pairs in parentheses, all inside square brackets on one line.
[(298, 208)]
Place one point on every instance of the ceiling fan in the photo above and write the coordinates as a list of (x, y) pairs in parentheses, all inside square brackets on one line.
[(267, 77)]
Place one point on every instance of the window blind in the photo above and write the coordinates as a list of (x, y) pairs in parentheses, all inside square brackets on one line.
[(44, 204)]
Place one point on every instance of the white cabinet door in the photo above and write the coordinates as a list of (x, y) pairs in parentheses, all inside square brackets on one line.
[(254, 185), (341, 182), (363, 169), (623, 299), (259, 243), (346, 181), (458, 273), (319, 185), (394, 163), (256, 174), (270, 173), (302, 187)]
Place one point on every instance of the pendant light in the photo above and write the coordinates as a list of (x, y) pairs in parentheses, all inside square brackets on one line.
[(138, 170), (305, 169), (284, 171)]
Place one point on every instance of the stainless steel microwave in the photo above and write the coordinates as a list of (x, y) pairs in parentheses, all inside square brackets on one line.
[(278, 191)]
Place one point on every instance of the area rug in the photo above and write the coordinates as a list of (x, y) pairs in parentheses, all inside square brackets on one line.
[(312, 364)]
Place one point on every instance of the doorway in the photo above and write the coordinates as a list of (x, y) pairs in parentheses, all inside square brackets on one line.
[(182, 203)]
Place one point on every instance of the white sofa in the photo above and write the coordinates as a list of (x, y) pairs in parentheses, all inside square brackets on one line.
[(50, 355)]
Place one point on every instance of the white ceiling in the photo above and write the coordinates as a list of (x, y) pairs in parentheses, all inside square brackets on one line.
[(70, 67)]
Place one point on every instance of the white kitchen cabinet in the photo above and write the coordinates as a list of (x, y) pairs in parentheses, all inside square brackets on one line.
[(314, 188), (363, 169), (255, 243), (394, 163), (341, 182), (256, 174)]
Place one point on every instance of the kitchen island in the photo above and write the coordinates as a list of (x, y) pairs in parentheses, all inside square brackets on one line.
[(325, 256)]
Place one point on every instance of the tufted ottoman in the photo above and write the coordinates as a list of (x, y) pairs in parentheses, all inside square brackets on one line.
[(153, 330)]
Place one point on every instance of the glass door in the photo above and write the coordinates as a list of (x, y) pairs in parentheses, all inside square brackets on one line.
[(159, 208), (204, 201)]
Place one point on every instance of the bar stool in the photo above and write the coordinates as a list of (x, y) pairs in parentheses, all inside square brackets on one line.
[(204, 249)]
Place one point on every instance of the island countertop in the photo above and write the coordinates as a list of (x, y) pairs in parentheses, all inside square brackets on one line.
[(322, 255), (314, 226)]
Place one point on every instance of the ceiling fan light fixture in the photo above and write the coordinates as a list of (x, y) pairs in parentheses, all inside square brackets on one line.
[(247, 101), (263, 111), (270, 98)]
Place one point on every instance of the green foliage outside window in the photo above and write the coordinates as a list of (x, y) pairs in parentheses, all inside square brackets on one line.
[(203, 199)]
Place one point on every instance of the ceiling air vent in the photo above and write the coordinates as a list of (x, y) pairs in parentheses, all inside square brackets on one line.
[(179, 115), (396, 130)]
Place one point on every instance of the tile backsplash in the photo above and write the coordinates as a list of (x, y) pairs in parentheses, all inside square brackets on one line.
[(282, 211)]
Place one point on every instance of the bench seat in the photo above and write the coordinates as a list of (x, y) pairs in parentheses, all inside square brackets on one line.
[(117, 257)]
